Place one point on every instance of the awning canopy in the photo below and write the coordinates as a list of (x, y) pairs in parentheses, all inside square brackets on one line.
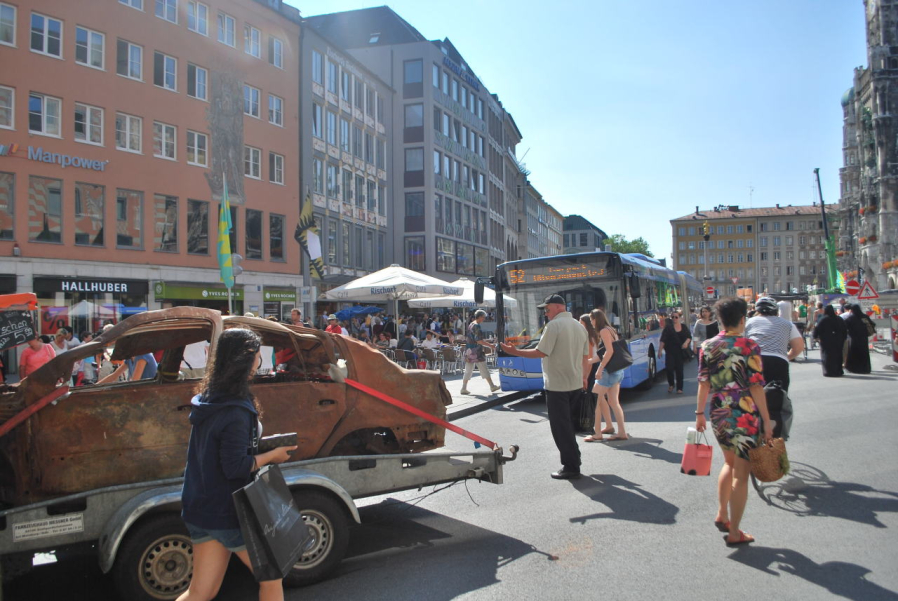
[(393, 283)]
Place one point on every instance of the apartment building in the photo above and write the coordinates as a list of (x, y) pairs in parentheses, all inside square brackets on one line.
[(443, 216), (121, 122), (580, 235), (347, 144), (774, 249)]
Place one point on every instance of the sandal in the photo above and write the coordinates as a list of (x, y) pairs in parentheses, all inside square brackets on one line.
[(592, 438), (744, 539)]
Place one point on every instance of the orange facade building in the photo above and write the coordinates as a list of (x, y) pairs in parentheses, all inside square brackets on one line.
[(119, 123)]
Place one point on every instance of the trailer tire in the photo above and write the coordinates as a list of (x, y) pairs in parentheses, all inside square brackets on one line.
[(155, 561), (328, 519)]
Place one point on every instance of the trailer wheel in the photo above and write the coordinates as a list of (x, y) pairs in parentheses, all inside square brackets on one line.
[(327, 518), (155, 561)]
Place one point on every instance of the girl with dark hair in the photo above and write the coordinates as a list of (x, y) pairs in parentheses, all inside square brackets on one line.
[(830, 331), (608, 383), (858, 360), (675, 338), (705, 327), (221, 457), (601, 405), (730, 371)]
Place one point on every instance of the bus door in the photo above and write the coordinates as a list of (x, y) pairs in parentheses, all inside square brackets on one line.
[(636, 331)]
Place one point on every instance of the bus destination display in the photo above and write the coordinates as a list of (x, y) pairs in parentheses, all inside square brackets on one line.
[(545, 274)]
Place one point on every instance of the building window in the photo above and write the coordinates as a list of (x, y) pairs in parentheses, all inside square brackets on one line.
[(332, 76), (7, 205), (43, 115), (227, 30), (345, 86), (275, 237), (414, 159), (275, 168), (7, 108), (165, 70), (372, 196), (197, 227), (128, 219), (253, 234), (138, 4), (414, 253), (330, 181), (89, 46), (359, 191), (317, 176), (198, 17), (344, 135), (317, 67), (331, 242), (763, 256), (251, 99), (129, 60), (414, 115), (381, 201), (164, 137), (197, 77), (197, 148), (165, 218), (276, 52), (252, 162), (46, 35), (359, 101), (357, 141), (413, 71), (88, 124), (44, 209), (788, 240), (7, 24), (252, 41), (167, 9), (346, 188), (89, 214), (369, 101), (763, 241), (331, 128), (776, 240), (369, 148), (316, 121), (275, 110), (750, 243), (346, 236), (128, 130), (380, 108)]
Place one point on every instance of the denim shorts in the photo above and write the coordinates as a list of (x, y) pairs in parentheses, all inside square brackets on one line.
[(232, 539), (609, 379)]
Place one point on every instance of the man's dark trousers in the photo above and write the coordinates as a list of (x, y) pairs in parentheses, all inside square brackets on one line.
[(560, 406)]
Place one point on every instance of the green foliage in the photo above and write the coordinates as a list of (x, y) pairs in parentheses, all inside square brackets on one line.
[(619, 244)]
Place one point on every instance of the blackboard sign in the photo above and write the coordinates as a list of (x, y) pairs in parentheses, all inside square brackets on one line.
[(16, 327)]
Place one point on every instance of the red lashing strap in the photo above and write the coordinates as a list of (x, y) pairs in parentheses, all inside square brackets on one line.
[(30, 410), (415, 411)]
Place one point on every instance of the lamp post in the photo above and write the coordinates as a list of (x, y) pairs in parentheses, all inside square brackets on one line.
[(706, 234)]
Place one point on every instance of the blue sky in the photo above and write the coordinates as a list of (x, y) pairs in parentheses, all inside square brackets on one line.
[(636, 112)]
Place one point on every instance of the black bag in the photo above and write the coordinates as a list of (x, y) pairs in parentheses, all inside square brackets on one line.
[(586, 415), (620, 359), (871, 327), (273, 530)]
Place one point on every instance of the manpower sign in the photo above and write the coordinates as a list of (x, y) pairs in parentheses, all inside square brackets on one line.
[(63, 160)]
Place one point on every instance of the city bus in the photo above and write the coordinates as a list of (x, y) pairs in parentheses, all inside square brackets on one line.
[(635, 291)]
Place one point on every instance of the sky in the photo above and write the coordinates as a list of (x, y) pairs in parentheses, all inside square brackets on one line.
[(633, 113)]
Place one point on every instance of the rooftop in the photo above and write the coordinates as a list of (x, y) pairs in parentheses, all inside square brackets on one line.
[(735, 212), (377, 26)]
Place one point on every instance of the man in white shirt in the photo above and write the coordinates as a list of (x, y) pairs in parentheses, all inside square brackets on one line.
[(785, 310), (430, 342), (564, 350)]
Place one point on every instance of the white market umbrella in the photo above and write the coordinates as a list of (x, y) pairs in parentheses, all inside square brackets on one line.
[(88, 309), (393, 283), (463, 301)]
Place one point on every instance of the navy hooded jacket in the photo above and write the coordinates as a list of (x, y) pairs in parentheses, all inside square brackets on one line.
[(219, 459)]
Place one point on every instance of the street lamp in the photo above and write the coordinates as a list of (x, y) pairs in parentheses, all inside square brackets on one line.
[(706, 234)]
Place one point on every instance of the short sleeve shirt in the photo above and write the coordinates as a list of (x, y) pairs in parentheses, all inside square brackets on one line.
[(564, 342)]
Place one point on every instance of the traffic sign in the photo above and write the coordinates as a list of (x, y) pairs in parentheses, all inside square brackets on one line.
[(734, 280), (867, 292), (709, 290), (852, 287)]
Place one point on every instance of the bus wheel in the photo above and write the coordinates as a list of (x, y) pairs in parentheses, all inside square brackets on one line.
[(653, 371)]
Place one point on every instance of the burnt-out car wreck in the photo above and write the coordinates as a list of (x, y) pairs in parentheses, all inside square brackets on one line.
[(125, 432)]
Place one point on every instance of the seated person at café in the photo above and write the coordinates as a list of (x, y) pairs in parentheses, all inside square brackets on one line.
[(140, 367), (430, 341), (383, 341), (407, 346)]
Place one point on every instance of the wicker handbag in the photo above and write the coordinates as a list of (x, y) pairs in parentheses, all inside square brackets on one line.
[(769, 462)]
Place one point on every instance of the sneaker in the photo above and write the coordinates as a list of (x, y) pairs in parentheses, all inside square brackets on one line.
[(494, 388), (463, 391)]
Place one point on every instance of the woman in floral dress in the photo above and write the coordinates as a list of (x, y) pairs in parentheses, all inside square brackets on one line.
[(729, 369)]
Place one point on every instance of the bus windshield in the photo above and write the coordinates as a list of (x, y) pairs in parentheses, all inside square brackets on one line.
[(524, 322)]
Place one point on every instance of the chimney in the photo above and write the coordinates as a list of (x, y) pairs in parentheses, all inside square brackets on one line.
[(696, 209), (777, 205)]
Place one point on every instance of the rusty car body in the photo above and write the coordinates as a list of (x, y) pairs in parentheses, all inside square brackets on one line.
[(104, 435)]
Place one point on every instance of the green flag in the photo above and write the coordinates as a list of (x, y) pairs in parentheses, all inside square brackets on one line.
[(224, 238)]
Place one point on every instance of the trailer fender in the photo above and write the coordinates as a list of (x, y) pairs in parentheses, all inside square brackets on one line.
[(297, 477), (126, 516)]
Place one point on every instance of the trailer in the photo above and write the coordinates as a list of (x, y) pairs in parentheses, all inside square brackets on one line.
[(138, 535)]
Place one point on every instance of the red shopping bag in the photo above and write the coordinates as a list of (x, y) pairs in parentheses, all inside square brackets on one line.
[(697, 457)]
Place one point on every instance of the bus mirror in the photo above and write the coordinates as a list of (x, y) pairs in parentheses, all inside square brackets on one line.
[(501, 280), (634, 286), (478, 292)]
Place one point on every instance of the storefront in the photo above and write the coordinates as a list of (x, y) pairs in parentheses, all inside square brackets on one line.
[(209, 296), (278, 302), (87, 304)]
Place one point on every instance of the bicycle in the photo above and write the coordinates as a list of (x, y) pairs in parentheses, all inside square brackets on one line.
[(802, 329)]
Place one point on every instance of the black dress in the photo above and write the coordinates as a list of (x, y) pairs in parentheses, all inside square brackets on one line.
[(673, 342), (858, 361), (831, 333)]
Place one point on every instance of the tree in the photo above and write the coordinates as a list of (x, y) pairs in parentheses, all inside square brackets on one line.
[(619, 244)]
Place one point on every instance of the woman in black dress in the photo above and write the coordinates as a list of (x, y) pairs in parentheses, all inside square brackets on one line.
[(830, 332), (858, 361), (675, 339)]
